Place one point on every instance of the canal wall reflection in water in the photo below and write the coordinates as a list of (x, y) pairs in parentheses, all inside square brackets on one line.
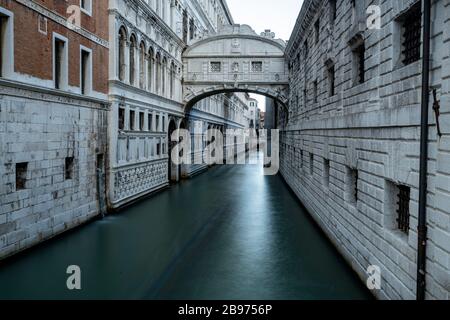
[(230, 233)]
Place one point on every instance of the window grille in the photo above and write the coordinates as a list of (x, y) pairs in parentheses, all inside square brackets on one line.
[(216, 67), (404, 197), (257, 66), (412, 27)]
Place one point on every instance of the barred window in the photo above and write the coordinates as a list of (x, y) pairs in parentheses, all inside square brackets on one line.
[(404, 196), (411, 34), (257, 66), (216, 66)]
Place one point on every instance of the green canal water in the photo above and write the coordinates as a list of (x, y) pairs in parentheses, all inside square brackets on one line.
[(230, 233)]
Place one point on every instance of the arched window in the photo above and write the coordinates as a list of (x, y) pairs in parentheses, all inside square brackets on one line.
[(164, 76), (158, 73), (133, 47), (142, 65), (122, 48), (172, 79), (151, 68)]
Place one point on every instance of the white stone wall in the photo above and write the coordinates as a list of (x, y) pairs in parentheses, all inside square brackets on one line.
[(42, 128), (372, 128)]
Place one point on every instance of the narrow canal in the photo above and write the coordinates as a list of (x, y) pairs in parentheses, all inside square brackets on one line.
[(230, 233)]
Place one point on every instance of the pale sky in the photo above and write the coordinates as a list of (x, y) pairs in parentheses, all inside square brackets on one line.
[(277, 15)]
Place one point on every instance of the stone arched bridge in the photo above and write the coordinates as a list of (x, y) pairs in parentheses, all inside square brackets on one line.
[(235, 60)]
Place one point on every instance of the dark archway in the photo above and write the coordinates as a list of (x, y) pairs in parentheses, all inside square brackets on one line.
[(281, 100)]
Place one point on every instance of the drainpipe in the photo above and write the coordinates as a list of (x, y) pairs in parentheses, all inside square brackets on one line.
[(422, 221)]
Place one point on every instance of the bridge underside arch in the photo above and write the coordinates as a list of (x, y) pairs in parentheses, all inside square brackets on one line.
[(273, 93)]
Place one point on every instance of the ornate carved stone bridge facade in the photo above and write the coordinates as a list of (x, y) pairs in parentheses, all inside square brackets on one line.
[(235, 59)]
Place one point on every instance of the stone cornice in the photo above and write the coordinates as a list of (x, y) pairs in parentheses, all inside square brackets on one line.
[(24, 90), (304, 20)]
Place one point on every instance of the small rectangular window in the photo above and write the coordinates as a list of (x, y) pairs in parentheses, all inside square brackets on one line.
[(301, 158), (257, 66), (141, 121), (311, 164), (6, 44), (86, 6), (333, 10), (216, 67), (60, 64), (68, 168), (21, 175), (331, 81), (352, 185), (359, 64), (396, 207), (326, 172), (158, 149), (85, 72), (121, 118), (132, 120), (404, 197), (316, 91)]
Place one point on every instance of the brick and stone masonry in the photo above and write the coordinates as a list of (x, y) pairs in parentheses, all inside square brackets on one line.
[(53, 142)]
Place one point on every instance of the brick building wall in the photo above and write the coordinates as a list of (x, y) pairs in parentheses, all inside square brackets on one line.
[(53, 142), (350, 145)]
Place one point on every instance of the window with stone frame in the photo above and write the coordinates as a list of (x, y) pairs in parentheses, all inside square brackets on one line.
[(397, 207), (359, 64), (60, 63), (316, 91), (3, 26), (351, 185), (411, 33), (257, 66), (331, 76), (326, 172), (86, 6), (215, 66), (191, 29), (333, 11), (85, 72), (121, 118), (132, 120), (141, 121)]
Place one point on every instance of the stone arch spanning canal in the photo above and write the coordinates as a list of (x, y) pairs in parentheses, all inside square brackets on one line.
[(230, 233), (235, 59)]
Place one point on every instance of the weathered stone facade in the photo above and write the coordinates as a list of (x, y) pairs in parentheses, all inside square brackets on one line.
[(351, 141), (53, 120)]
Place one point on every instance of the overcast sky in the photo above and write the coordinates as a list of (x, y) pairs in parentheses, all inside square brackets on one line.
[(277, 15)]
